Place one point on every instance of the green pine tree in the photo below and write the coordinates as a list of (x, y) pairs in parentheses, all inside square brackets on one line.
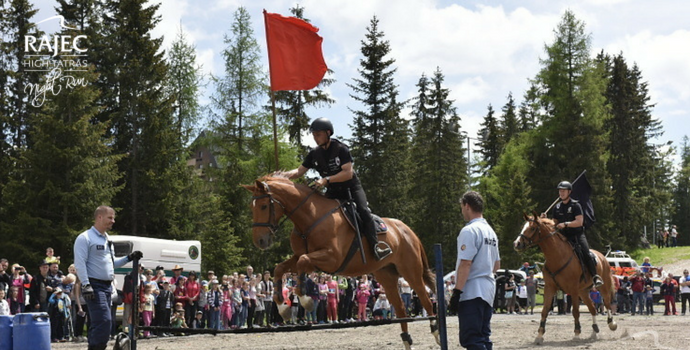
[(681, 195), (439, 167), (490, 141), (380, 136)]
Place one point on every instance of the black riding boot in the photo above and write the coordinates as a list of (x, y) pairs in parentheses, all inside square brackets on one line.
[(592, 267), (381, 249)]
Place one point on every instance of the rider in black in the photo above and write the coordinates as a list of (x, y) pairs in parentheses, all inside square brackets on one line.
[(569, 218), (332, 159)]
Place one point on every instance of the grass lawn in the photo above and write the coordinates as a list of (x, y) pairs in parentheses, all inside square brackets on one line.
[(663, 256)]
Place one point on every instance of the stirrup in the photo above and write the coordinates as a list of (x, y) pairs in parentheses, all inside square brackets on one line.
[(382, 252), (597, 281)]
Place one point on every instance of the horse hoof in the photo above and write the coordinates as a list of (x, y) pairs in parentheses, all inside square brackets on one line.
[(284, 311), (539, 340), (307, 303), (407, 345), (595, 327), (613, 326), (576, 337), (438, 337), (594, 336)]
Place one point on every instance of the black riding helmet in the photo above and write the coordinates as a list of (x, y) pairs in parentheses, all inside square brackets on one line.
[(565, 185), (321, 124)]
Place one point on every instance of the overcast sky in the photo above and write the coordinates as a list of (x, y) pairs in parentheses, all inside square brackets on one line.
[(485, 49)]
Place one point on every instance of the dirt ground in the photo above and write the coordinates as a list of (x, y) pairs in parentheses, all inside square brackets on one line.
[(508, 332)]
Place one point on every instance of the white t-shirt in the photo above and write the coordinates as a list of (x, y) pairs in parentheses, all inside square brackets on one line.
[(674, 233), (684, 289), (478, 243), (4, 308), (404, 286)]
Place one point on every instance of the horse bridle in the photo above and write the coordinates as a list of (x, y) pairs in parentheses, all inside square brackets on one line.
[(538, 231), (272, 213)]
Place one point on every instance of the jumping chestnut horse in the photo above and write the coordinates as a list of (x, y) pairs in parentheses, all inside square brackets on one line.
[(322, 237), (563, 271)]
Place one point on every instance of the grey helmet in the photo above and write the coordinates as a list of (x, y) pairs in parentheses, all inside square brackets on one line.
[(321, 124), (565, 185)]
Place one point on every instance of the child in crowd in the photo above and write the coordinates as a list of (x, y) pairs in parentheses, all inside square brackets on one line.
[(4, 305), (16, 306), (668, 290), (294, 300), (61, 314), (147, 307), (245, 304), (226, 307), (214, 298), (595, 295), (177, 320), (522, 297), (198, 321), (164, 305), (649, 302), (362, 298), (236, 302), (382, 307), (50, 258)]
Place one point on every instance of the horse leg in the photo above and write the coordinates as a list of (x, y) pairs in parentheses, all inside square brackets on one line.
[(280, 270), (576, 315), (608, 296), (388, 278), (414, 278), (592, 310), (549, 291), (306, 264), (306, 301)]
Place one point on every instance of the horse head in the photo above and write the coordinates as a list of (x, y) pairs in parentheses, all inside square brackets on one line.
[(266, 212), (534, 230)]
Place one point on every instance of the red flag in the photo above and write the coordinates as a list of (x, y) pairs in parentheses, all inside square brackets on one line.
[(294, 53)]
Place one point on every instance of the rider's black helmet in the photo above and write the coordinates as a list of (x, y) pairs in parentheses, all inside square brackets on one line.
[(565, 185), (321, 124)]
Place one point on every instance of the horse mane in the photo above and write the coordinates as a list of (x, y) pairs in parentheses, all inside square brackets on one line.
[(281, 176)]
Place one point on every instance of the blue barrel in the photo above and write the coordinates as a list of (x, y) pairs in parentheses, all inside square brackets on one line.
[(6, 332), (31, 331)]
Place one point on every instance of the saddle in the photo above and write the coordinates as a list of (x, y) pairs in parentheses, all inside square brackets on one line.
[(577, 252), (352, 217)]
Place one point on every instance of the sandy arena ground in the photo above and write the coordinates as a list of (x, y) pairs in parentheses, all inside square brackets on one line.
[(509, 332)]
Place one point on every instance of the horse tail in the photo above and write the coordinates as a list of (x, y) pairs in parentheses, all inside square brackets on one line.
[(428, 275)]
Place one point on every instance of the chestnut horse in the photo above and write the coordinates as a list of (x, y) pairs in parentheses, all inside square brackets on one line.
[(322, 237), (563, 271)]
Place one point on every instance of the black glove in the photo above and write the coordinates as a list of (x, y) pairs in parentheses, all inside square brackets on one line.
[(455, 300), (87, 292), (137, 254)]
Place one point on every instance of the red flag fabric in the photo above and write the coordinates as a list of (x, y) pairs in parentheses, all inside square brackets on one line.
[(294, 53)]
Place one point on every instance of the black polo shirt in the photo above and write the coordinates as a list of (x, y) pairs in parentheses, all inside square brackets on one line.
[(567, 212), (330, 161)]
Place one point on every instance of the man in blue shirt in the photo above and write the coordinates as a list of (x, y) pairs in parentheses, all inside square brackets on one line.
[(95, 264), (478, 259)]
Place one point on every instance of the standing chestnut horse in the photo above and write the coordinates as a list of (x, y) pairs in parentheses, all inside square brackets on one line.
[(322, 237), (563, 271)]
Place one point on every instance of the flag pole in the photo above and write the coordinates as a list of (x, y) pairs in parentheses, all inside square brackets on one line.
[(559, 198), (273, 97), (275, 129)]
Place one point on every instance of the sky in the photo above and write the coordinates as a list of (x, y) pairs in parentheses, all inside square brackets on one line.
[(485, 49)]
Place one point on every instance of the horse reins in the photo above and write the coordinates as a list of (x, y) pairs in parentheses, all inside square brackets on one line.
[(529, 240)]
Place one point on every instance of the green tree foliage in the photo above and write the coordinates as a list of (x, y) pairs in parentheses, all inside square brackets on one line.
[(571, 137), (380, 136), (143, 122), (439, 167), (490, 141), (291, 106), (630, 164), (184, 81), (507, 196), (510, 120), (681, 195)]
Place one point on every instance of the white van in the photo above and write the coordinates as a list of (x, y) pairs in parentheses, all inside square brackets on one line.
[(157, 252)]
